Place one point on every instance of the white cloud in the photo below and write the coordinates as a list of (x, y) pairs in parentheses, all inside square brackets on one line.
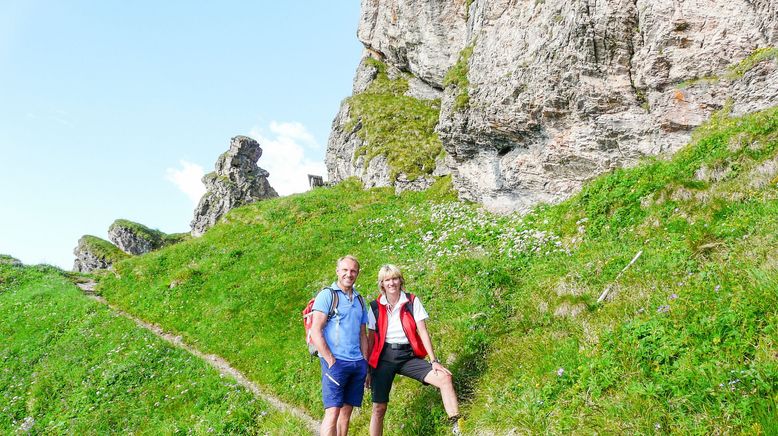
[(287, 154), (188, 179), (294, 131)]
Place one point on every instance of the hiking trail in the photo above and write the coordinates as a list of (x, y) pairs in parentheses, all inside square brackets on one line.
[(216, 361)]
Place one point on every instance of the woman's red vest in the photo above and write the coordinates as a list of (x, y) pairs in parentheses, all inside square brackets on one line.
[(408, 324)]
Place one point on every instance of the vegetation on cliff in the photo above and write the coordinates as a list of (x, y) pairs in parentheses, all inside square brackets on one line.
[(395, 125), (737, 70), (457, 77)]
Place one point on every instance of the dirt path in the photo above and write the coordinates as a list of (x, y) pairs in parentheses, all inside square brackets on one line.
[(217, 362)]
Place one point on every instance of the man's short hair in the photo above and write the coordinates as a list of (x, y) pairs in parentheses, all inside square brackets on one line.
[(348, 257)]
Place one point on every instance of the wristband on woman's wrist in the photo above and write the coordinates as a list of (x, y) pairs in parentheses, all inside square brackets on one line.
[(434, 361)]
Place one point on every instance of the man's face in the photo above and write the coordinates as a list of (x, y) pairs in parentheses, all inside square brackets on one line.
[(347, 272)]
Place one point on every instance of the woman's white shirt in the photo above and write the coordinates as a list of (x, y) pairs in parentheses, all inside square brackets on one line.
[(394, 331)]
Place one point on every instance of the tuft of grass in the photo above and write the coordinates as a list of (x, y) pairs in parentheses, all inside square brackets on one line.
[(397, 126), (737, 70), (741, 68), (467, 9), (457, 77)]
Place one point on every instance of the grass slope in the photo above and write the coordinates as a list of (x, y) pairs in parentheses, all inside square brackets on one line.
[(687, 340), (70, 366)]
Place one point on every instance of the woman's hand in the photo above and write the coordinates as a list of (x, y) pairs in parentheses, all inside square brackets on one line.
[(436, 366)]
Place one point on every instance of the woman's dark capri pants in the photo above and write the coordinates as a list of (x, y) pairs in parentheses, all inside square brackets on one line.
[(396, 359)]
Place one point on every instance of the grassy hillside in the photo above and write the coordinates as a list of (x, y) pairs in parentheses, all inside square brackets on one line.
[(71, 367), (686, 340)]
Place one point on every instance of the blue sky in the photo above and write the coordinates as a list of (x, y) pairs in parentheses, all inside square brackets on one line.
[(113, 109)]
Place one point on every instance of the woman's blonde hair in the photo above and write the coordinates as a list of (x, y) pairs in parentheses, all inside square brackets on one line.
[(389, 271)]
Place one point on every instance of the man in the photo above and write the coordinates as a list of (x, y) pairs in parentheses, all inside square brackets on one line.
[(342, 345)]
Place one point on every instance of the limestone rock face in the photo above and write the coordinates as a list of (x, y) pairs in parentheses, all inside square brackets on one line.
[(133, 238), (237, 180), (93, 253), (560, 91), (420, 36)]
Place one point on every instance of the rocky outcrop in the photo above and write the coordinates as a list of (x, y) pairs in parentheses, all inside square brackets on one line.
[(9, 260), (93, 253), (135, 238), (389, 108), (237, 180), (553, 93)]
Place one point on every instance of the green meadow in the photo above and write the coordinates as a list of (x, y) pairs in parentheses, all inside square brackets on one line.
[(70, 366)]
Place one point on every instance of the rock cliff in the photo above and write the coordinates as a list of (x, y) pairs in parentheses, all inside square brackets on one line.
[(237, 180), (535, 97), (93, 253), (135, 238)]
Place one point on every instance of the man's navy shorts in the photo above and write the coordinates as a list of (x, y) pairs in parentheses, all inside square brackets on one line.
[(344, 383)]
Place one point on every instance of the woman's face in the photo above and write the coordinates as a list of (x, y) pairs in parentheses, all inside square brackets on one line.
[(391, 285)]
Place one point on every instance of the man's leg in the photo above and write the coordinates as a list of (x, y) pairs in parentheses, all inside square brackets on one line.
[(328, 424), (332, 381), (353, 391), (377, 419), (343, 419)]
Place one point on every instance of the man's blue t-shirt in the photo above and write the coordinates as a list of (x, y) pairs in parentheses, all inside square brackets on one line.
[(342, 330)]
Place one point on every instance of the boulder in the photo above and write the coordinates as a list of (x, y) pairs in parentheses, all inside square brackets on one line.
[(236, 181), (93, 253)]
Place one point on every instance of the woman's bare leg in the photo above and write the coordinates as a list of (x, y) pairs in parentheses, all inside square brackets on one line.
[(377, 419), (444, 382)]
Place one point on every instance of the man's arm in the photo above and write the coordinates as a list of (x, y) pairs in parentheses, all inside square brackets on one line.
[(370, 341), (363, 343), (317, 336)]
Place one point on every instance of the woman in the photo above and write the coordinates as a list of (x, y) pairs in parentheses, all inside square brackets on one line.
[(398, 342)]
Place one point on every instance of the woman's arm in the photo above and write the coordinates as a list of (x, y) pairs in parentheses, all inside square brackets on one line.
[(421, 327)]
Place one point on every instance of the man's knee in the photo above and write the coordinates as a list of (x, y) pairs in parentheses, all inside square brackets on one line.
[(331, 413), (379, 409)]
